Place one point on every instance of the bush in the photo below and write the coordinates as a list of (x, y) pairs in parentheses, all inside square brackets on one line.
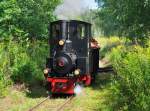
[(132, 83), (107, 43), (21, 62), (29, 61)]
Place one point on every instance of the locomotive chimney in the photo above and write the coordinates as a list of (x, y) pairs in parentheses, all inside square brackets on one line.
[(68, 45)]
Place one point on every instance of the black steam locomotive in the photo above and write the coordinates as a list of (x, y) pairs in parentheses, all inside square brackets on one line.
[(74, 56)]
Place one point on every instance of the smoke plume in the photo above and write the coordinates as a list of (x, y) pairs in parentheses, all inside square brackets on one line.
[(71, 9), (78, 89)]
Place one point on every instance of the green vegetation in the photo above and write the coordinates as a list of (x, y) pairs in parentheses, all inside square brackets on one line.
[(124, 18), (125, 29), (23, 41), (132, 65), (18, 62), (130, 86), (26, 18), (130, 59), (107, 44)]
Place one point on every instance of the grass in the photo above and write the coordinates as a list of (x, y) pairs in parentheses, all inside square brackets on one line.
[(93, 98), (96, 97)]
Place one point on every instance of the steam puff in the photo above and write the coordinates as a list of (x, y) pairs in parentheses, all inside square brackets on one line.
[(71, 9), (78, 89)]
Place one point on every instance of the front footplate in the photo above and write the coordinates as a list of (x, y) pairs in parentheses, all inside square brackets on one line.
[(66, 85)]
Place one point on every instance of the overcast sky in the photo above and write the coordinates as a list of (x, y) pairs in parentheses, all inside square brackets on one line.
[(70, 9)]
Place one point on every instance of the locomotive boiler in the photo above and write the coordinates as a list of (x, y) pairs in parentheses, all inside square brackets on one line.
[(74, 56)]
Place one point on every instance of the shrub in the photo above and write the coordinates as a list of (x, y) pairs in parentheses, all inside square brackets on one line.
[(21, 62), (107, 43), (132, 83), (29, 61)]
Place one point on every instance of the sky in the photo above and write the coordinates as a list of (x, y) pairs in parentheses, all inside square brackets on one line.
[(70, 9), (91, 3)]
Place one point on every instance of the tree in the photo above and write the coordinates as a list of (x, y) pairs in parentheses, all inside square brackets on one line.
[(18, 17), (9, 12), (125, 17), (90, 16)]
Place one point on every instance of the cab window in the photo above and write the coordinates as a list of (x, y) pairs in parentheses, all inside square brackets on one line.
[(81, 31), (77, 31), (56, 30)]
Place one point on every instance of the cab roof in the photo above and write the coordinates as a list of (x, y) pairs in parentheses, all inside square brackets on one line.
[(77, 21)]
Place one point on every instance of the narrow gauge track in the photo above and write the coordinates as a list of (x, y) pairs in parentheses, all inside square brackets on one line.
[(65, 103), (57, 108)]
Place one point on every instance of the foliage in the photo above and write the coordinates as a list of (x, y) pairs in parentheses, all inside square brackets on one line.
[(90, 16), (124, 17), (9, 12), (26, 18), (22, 60), (4, 71), (108, 43), (20, 63), (132, 65)]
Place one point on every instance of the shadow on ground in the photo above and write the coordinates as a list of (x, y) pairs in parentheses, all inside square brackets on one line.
[(62, 96), (102, 80), (36, 90), (39, 90)]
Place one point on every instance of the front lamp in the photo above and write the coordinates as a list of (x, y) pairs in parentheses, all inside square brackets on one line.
[(61, 42), (77, 72), (46, 71)]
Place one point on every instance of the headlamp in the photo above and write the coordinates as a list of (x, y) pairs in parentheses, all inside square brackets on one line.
[(77, 72), (61, 42), (46, 71)]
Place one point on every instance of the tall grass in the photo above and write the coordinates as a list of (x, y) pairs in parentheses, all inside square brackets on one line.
[(21, 62)]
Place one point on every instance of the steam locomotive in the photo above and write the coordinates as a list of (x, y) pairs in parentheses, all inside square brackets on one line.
[(74, 56)]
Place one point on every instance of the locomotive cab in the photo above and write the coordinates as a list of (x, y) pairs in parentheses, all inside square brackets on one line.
[(72, 59)]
